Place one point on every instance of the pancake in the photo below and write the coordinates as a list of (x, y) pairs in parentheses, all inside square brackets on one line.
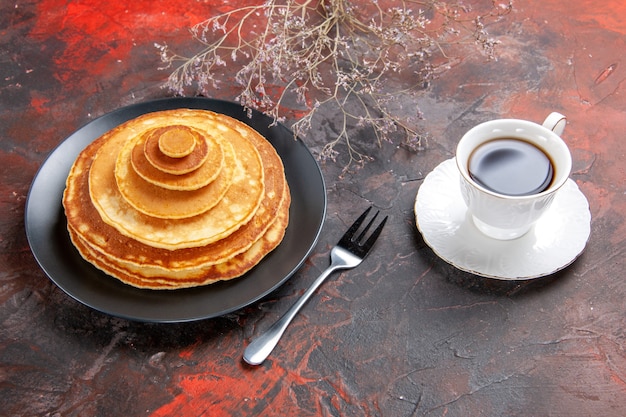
[(178, 142), (142, 259), (232, 268), (155, 200), (141, 262), (206, 171), (234, 209), (175, 149), (96, 260), (86, 220)]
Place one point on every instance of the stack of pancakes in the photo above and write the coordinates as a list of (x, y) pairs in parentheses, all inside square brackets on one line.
[(177, 198)]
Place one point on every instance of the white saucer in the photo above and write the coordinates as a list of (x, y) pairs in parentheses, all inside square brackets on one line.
[(556, 240)]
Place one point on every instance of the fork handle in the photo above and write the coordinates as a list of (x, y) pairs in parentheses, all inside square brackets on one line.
[(259, 349)]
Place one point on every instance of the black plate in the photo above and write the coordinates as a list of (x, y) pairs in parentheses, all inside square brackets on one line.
[(50, 243)]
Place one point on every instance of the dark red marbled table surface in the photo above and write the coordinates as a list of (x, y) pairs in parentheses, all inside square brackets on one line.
[(403, 335)]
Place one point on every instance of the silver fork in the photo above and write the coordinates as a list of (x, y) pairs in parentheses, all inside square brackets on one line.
[(348, 253)]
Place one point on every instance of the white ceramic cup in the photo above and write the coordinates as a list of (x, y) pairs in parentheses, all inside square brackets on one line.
[(503, 216)]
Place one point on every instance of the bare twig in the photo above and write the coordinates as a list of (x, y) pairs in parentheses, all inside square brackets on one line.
[(330, 52)]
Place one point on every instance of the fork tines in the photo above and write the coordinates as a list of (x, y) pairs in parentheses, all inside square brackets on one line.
[(348, 240)]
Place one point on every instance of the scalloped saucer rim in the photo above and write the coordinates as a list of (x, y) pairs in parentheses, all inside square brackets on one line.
[(557, 239)]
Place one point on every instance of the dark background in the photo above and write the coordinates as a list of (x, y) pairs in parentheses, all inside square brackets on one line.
[(405, 334)]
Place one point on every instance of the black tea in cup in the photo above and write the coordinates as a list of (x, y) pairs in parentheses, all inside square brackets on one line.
[(511, 166)]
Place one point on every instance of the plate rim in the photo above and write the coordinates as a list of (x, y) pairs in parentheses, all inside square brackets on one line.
[(275, 133)]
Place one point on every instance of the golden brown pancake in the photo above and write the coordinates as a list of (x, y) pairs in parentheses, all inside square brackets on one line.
[(94, 258), (151, 266), (134, 252), (231, 268), (202, 175), (178, 142), (136, 256), (155, 200), (175, 149), (235, 208)]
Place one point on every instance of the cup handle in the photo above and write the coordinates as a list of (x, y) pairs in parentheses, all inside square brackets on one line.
[(555, 122)]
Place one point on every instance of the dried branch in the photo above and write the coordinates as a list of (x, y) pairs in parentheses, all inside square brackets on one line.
[(333, 53)]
